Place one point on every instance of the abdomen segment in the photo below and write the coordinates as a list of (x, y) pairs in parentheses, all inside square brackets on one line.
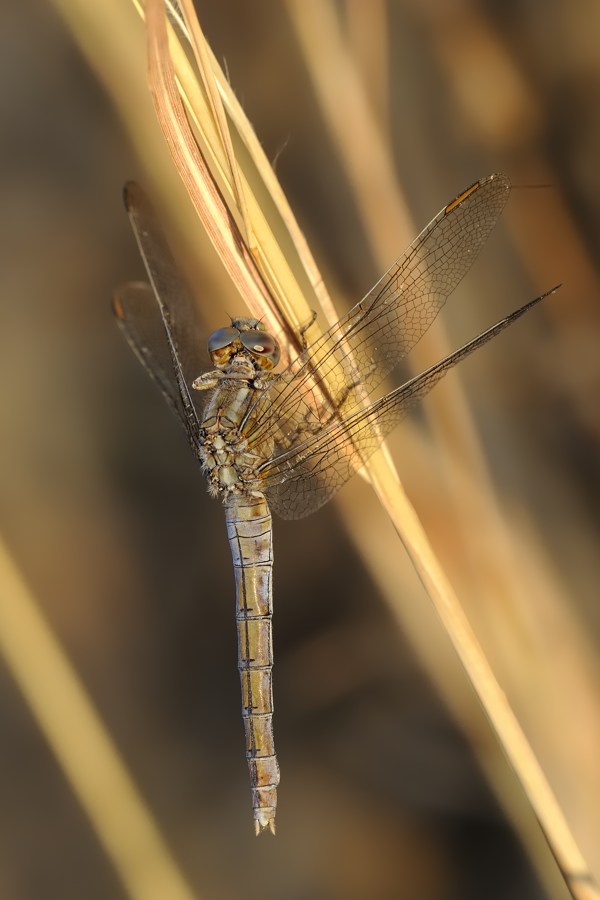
[(250, 538)]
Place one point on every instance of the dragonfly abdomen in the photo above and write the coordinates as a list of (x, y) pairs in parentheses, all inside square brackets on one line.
[(250, 538)]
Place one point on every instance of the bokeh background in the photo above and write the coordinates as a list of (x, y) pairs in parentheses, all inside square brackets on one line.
[(384, 795)]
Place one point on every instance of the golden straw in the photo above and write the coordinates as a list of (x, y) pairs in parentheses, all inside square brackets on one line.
[(82, 747)]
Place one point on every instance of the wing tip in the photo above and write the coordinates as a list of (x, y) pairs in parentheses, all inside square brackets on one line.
[(497, 177)]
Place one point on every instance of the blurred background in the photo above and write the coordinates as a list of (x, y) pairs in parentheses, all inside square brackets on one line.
[(392, 786)]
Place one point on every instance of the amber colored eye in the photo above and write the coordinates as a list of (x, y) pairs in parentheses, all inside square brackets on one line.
[(262, 345), (222, 337)]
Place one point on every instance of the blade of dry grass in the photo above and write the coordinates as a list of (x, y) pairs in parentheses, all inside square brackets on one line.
[(203, 61), (368, 32), (257, 173), (198, 181), (380, 200), (513, 740), (187, 120), (82, 747)]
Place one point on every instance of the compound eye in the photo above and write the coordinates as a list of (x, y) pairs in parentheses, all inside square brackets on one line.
[(221, 338), (263, 346)]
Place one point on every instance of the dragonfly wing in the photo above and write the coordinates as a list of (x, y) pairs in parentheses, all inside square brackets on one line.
[(139, 318), (333, 375), (161, 326), (301, 479)]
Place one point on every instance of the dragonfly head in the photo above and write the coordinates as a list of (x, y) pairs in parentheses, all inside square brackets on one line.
[(246, 338)]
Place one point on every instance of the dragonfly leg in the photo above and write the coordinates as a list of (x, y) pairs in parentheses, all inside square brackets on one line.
[(207, 381), (304, 328)]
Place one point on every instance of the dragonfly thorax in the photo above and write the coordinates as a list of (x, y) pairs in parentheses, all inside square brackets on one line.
[(229, 464)]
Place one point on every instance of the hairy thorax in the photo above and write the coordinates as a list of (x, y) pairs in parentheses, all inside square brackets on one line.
[(228, 463), (243, 354)]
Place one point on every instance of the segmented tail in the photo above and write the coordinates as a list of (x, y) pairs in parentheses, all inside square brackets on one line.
[(251, 541)]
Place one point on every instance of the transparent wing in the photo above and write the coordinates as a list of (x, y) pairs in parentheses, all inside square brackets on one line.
[(160, 322), (139, 318), (330, 379), (301, 479)]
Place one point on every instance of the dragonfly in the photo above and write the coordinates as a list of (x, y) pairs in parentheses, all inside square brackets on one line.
[(287, 441)]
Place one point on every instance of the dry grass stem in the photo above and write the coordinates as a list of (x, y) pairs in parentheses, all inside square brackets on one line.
[(82, 746), (317, 26), (207, 78), (259, 175), (354, 128), (188, 118), (368, 29), (511, 736), (195, 174)]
